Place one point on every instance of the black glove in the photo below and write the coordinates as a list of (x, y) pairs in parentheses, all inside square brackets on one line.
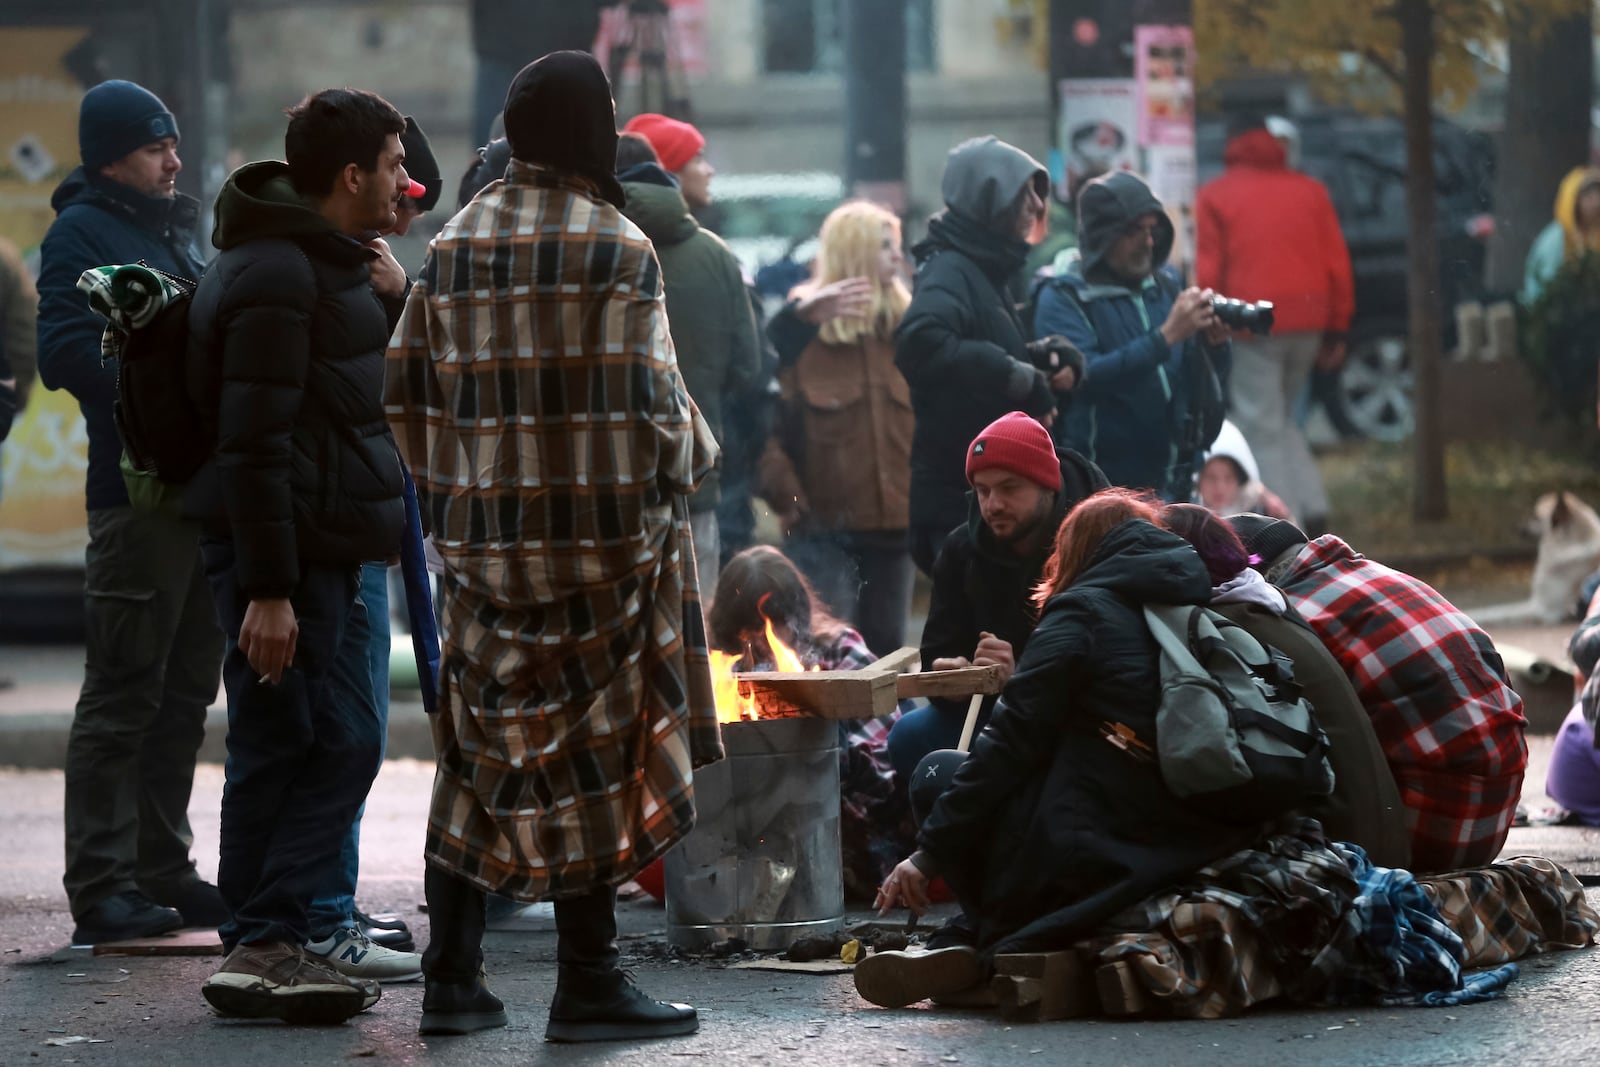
[(1054, 353)]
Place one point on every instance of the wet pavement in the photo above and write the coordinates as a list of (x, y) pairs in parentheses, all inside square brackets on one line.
[(149, 1011)]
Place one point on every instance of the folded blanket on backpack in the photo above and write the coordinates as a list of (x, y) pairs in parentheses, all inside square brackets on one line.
[(128, 296)]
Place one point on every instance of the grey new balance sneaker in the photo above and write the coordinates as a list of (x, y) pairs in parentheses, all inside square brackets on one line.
[(351, 952), (276, 980)]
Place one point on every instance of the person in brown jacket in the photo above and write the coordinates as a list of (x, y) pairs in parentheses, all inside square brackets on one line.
[(837, 470)]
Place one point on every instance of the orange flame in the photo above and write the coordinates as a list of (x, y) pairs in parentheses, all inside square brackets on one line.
[(733, 706)]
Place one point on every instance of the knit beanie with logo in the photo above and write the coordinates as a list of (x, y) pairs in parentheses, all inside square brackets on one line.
[(1019, 444), (117, 117)]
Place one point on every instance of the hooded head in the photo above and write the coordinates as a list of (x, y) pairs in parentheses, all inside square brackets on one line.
[(983, 178), (559, 114), (1251, 143), (1267, 539), (1109, 208), (1568, 198)]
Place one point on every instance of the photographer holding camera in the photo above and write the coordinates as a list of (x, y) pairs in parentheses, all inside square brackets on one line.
[(1158, 356)]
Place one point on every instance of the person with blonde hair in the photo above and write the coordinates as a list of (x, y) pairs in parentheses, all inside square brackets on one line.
[(836, 469)]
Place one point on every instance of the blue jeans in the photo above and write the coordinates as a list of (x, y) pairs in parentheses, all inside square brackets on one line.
[(925, 730), (301, 754), (335, 903)]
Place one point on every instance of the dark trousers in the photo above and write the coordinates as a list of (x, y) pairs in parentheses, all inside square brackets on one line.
[(302, 754), (864, 576), (152, 652), (586, 929)]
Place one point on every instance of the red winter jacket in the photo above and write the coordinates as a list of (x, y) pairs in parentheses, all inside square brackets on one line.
[(1266, 232)]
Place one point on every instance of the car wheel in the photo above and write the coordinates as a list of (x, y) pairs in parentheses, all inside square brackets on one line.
[(1375, 388)]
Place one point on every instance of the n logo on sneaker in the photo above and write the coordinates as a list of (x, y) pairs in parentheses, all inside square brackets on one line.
[(353, 953)]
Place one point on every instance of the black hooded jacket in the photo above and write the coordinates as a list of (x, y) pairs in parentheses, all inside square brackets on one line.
[(286, 359), (980, 586), (961, 344), (1048, 828)]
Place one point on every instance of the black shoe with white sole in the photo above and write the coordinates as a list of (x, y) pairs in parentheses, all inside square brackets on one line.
[(608, 1007)]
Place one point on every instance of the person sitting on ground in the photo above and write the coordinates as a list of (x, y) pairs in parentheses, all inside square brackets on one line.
[(980, 611), (1230, 481), (1365, 805), (1060, 817), (1573, 780), (762, 585), (1430, 679), (835, 471)]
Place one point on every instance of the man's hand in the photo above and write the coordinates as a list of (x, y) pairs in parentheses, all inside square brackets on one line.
[(950, 663), (268, 636), (906, 887), (1063, 380), (993, 652), (1218, 334), (1191, 313), (846, 298), (388, 276), (1332, 353)]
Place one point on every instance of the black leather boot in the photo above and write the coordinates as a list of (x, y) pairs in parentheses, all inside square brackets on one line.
[(456, 998), (595, 999)]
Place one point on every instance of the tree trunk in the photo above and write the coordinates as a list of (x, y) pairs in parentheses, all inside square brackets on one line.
[(1430, 501), (1546, 133)]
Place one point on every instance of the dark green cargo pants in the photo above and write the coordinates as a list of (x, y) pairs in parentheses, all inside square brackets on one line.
[(153, 660)]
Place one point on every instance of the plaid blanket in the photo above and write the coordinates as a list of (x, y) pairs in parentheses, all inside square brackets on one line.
[(535, 396), (1514, 908), (1437, 692)]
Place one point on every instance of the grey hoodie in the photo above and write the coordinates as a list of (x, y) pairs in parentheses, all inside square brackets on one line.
[(983, 176)]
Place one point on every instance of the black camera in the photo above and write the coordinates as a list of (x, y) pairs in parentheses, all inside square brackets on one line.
[(1257, 317)]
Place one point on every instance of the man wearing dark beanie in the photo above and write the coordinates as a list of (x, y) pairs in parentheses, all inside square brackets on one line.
[(980, 610), (557, 473), (153, 649)]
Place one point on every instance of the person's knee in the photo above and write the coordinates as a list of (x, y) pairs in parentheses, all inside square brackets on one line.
[(932, 777), (912, 737)]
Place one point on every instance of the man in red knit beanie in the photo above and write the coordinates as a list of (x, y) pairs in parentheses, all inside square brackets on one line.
[(682, 151), (980, 611)]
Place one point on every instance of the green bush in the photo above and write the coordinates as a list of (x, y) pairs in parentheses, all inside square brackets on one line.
[(1559, 338)]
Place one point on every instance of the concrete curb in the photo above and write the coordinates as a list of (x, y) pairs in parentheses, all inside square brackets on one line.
[(38, 740)]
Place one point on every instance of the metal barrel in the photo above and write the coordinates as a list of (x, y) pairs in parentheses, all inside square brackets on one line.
[(762, 863)]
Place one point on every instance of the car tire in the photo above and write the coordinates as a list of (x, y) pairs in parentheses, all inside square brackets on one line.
[(1374, 394)]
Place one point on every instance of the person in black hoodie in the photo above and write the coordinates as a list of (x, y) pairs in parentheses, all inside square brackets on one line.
[(1060, 817), (288, 332), (152, 647), (962, 345), (981, 609)]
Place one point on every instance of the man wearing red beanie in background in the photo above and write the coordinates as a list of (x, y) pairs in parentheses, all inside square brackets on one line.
[(682, 151), (980, 611)]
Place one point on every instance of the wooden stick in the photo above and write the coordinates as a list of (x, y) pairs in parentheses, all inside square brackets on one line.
[(971, 724)]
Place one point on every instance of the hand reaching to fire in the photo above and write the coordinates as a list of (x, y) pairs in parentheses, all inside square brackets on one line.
[(905, 887)]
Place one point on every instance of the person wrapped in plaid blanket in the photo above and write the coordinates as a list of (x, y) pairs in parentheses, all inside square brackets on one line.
[(1438, 694)]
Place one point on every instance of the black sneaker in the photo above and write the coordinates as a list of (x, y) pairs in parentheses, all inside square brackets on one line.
[(126, 916), (460, 1007), (609, 1007), (390, 931), (198, 901), (275, 980)]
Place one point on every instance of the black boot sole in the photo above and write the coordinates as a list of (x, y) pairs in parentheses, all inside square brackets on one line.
[(460, 1022), (313, 1009), (572, 1032)]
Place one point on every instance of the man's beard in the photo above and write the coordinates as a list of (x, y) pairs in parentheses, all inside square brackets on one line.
[(1133, 272), (1027, 527)]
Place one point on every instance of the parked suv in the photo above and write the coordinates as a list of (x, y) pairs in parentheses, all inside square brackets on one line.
[(1361, 159)]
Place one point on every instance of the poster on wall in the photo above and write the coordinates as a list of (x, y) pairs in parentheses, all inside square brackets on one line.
[(43, 461), (1099, 127), (1164, 73), (1170, 170)]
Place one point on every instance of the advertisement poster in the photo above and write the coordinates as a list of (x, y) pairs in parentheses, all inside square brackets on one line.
[(1170, 169), (1164, 71), (42, 463), (1099, 119)]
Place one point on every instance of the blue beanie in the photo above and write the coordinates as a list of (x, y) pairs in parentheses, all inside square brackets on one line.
[(117, 117)]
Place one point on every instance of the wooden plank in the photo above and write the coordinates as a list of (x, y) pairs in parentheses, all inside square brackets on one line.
[(1018, 999), (1066, 989), (962, 682), (900, 660), (807, 967), (862, 694), (191, 942), (1121, 992)]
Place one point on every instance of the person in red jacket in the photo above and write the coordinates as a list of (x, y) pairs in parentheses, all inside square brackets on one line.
[(1266, 232)]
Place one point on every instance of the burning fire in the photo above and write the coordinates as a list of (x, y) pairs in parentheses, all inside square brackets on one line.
[(732, 706)]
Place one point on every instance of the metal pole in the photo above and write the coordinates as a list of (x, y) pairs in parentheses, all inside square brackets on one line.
[(875, 100)]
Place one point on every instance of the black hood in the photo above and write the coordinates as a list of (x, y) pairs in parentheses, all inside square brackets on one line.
[(1106, 206), (559, 114), (258, 200), (1148, 565), (1080, 478), (180, 212), (982, 178)]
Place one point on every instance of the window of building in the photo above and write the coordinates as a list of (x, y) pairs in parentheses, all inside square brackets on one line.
[(807, 36)]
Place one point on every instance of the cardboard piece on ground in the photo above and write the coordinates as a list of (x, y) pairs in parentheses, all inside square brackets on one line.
[(808, 967), (199, 941)]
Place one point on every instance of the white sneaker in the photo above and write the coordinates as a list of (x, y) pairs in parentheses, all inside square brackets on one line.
[(350, 952)]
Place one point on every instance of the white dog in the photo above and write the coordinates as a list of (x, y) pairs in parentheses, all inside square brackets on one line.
[(1569, 551)]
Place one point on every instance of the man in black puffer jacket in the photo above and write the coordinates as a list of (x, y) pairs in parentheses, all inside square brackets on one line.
[(288, 333), (962, 346)]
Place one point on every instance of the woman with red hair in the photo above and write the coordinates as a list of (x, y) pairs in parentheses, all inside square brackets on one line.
[(1060, 818)]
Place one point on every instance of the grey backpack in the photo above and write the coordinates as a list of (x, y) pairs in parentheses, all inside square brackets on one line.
[(1233, 733)]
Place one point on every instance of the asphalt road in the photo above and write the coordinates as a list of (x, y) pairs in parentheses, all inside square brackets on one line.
[(149, 1011)]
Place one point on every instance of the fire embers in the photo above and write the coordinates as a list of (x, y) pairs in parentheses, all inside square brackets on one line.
[(736, 703)]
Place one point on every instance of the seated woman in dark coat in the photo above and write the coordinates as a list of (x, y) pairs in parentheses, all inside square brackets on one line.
[(1365, 805), (1060, 818)]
